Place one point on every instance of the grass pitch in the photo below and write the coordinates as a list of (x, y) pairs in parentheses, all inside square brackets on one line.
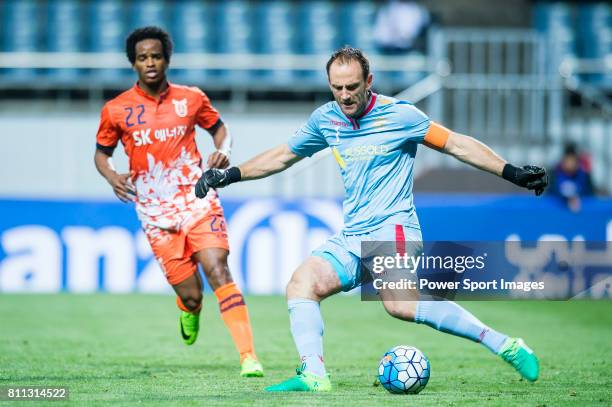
[(126, 349)]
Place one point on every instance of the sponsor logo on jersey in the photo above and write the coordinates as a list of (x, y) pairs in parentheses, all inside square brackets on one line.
[(365, 153), (337, 123), (145, 136)]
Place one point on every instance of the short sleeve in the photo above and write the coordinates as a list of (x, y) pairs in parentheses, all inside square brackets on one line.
[(208, 116), (308, 140), (108, 136), (414, 122)]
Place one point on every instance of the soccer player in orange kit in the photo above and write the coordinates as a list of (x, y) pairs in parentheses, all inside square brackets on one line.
[(155, 121)]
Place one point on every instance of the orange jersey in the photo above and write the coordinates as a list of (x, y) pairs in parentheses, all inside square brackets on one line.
[(159, 138)]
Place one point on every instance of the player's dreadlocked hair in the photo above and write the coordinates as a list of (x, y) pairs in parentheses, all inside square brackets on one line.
[(145, 33), (347, 54)]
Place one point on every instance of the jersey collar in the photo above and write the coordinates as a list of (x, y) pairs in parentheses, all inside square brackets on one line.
[(369, 107), (162, 95)]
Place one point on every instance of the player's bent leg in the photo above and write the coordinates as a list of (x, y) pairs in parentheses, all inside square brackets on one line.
[(232, 307), (189, 300), (449, 317), (313, 281)]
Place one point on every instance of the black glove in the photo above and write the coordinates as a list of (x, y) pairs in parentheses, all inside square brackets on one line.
[(530, 177), (216, 178)]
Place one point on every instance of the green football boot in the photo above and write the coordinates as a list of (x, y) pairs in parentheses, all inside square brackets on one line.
[(518, 354), (250, 367), (189, 325), (303, 381)]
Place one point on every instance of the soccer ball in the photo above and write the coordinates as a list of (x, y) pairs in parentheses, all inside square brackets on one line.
[(404, 370)]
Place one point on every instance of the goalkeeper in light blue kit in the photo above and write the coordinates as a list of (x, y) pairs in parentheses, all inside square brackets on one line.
[(374, 139)]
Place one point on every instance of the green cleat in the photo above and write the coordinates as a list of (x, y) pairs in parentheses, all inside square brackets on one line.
[(251, 367), (518, 354), (303, 381), (189, 325)]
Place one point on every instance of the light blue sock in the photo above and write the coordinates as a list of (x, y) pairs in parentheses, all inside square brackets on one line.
[(307, 330), (449, 317)]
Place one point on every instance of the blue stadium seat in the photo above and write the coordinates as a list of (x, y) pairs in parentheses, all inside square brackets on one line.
[(17, 36), (20, 37), (274, 34), (147, 12), (318, 21), (594, 16), (234, 34), (602, 48), (234, 19), (192, 28), (107, 34), (64, 34), (594, 22), (550, 16), (360, 17), (555, 21)]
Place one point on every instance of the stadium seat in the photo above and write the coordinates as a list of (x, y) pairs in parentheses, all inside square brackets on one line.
[(555, 21), (234, 34), (594, 22), (147, 12), (192, 28), (316, 27), (318, 22), (550, 16), (107, 34), (19, 37), (64, 34), (593, 17), (274, 34), (359, 30), (602, 49)]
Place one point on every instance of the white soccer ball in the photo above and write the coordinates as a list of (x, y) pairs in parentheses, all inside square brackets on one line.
[(404, 370)]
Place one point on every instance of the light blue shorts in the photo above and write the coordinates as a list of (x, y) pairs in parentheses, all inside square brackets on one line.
[(344, 251)]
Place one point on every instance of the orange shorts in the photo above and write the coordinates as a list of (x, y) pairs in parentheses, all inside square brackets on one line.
[(173, 249)]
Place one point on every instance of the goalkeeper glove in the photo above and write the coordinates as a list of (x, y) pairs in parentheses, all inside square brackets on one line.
[(216, 178), (530, 177)]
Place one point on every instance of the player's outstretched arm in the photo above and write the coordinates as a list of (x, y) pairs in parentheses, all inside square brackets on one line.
[(481, 156), (270, 162)]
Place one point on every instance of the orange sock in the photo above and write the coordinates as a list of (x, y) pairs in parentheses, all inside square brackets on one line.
[(182, 306), (236, 317)]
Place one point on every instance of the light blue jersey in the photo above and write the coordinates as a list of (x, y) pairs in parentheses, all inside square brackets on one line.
[(375, 154)]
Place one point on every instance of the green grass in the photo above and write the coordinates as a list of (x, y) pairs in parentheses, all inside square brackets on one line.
[(127, 349)]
